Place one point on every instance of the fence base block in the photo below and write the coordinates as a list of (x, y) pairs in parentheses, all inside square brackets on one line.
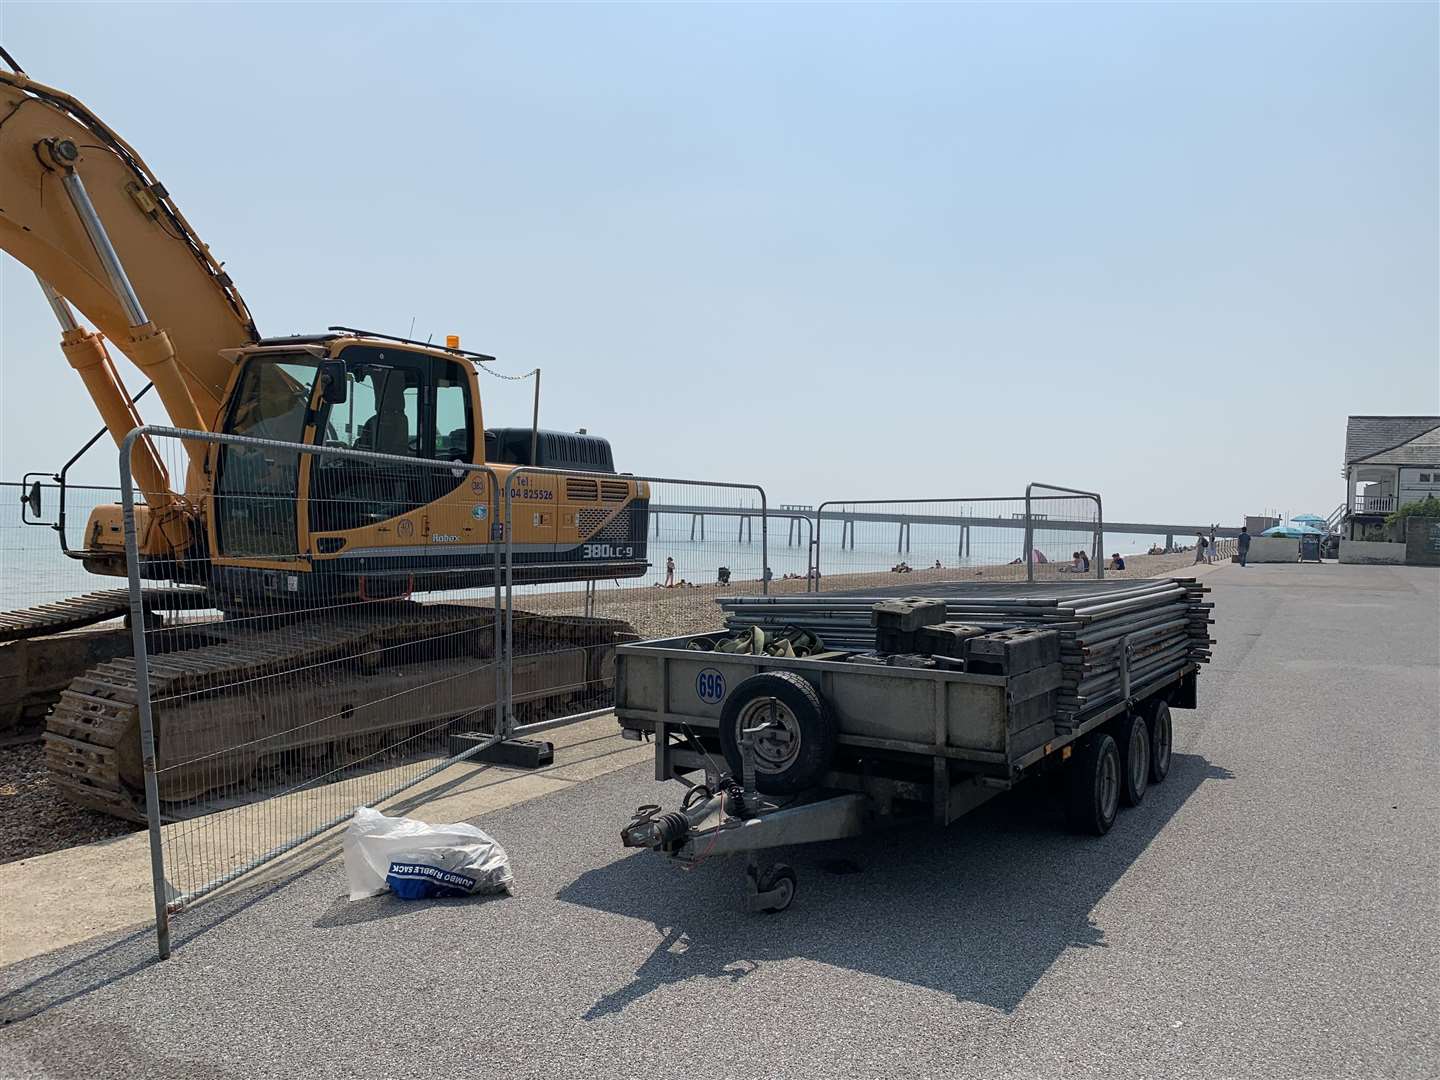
[(518, 753)]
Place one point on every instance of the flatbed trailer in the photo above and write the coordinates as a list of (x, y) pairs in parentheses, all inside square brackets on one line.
[(779, 751)]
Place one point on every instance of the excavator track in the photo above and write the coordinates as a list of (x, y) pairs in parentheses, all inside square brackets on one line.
[(258, 700), (78, 612), (43, 648)]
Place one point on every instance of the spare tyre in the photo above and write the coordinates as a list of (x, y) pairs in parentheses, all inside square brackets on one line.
[(794, 751)]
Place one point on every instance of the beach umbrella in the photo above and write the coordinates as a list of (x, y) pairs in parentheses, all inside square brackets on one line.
[(1292, 531), (1309, 519)]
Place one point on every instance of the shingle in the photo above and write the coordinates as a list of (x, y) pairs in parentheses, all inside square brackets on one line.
[(1366, 436), (1421, 450)]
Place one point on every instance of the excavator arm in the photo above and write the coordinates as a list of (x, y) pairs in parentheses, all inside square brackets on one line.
[(81, 209)]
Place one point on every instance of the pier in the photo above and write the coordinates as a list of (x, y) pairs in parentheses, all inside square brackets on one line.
[(794, 515)]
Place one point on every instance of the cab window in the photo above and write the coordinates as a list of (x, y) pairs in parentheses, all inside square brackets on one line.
[(271, 400), (257, 485), (453, 438), (381, 412)]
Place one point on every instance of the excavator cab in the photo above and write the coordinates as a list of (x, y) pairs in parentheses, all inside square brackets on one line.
[(272, 504), (287, 525)]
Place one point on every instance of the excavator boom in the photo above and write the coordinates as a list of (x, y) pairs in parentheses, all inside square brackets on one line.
[(78, 205)]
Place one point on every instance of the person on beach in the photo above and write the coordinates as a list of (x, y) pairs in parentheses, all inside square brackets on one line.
[(1242, 544), (669, 572), (1200, 544), (1117, 562), (1084, 562), (1211, 552)]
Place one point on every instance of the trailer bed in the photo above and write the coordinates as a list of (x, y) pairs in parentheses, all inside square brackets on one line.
[(893, 725)]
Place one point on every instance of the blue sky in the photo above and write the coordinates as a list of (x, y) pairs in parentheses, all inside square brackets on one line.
[(845, 252)]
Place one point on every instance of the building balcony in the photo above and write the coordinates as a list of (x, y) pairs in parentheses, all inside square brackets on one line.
[(1378, 505)]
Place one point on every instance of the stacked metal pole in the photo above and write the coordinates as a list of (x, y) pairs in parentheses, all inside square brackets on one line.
[(1156, 627)]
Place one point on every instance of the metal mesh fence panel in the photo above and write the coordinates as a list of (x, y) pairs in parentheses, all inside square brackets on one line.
[(44, 592), (894, 541), (1057, 517), (303, 656), (36, 570), (635, 557)]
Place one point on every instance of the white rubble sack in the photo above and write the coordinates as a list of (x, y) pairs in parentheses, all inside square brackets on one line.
[(414, 860)]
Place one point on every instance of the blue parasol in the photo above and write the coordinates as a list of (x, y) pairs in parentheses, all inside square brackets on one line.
[(1292, 531)]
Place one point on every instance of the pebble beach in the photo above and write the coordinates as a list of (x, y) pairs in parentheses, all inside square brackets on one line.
[(658, 612)]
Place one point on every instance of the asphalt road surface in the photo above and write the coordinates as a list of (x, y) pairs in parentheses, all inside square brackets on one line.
[(1269, 911)]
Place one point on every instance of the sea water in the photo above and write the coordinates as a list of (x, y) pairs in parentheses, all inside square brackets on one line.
[(33, 570)]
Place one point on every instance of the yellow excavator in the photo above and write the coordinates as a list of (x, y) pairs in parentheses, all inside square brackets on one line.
[(271, 533)]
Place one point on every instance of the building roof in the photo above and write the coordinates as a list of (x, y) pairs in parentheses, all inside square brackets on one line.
[(1368, 436), (1421, 450)]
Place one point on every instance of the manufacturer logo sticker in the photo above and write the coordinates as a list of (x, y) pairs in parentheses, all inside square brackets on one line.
[(480, 512), (406, 528)]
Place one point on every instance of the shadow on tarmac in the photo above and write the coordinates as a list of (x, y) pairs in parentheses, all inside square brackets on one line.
[(980, 910), (125, 956)]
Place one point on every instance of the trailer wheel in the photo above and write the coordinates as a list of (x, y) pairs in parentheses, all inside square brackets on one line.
[(779, 879), (1092, 786), (796, 753), (1133, 736), (1161, 742)]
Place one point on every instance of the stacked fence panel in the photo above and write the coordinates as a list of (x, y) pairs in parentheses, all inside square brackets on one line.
[(1155, 627)]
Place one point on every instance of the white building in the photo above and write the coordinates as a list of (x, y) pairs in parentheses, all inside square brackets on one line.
[(1392, 460)]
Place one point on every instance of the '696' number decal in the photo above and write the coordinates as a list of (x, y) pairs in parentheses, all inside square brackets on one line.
[(710, 686)]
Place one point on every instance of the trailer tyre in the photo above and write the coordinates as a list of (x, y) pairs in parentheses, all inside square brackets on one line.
[(779, 879), (1092, 786), (1161, 742), (1132, 734), (798, 753)]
